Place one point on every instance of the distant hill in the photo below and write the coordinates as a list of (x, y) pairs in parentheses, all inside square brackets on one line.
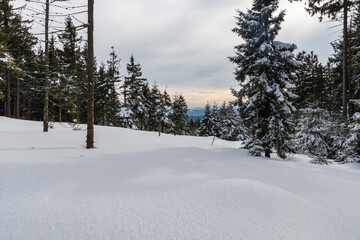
[(196, 113)]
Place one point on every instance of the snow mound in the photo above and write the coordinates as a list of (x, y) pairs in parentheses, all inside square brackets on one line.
[(136, 185)]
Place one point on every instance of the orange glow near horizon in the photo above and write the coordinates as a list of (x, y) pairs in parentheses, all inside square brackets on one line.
[(198, 97)]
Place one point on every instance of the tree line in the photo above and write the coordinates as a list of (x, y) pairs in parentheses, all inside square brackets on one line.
[(288, 102), (125, 100)]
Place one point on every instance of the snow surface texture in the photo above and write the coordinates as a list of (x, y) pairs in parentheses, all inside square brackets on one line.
[(136, 185)]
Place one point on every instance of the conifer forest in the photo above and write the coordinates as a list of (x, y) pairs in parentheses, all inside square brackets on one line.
[(286, 101), (183, 119)]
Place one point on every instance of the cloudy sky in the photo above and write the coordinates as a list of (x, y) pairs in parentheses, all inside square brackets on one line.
[(185, 44)]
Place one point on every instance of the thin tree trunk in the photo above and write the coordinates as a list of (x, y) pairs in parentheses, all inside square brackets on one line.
[(78, 110), (29, 108), (17, 114), (103, 115), (60, 111), (90, 83), (350, 69), (46, 101), (8, 101), (8, 74), (345, 58), (267, 153)]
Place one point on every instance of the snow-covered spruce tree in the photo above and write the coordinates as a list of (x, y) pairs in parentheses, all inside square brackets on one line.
[(162, 113), (6, 65), (214, 121), (310, 82), (125, 118), (231, 127), (211, 123), (179, 116), (204, 129), (70, 65), (352, 144), (265, 70), (134, 90), (166, 122), (311, 137), (113, 79)]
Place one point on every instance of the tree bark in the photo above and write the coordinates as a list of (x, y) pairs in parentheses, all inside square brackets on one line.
[(350, 70), (8, 101), (345, 58), (90, 82), (46, 100), (17, 113), (267, 153), (60, 111)]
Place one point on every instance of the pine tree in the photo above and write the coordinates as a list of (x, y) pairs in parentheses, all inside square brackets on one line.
[(153, 106), (204, 129), (125, 118), (231, 126), (352, 143), (179, 116), (134, 90), (7, 64), (113, 79), (70, 59), (215, 121), (333, 91), (310, 82), (265, 70), (354, 87), (311, 137), (165, 108), (159, 110), (101, 95), (332, 9), (15, 36)]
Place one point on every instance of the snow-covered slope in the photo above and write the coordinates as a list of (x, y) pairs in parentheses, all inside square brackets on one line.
[(136, 185)]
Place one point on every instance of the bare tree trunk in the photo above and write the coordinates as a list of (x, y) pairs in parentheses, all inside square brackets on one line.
[(60, 111), (350, 69), (17, 114), (90, 83), (8, 101), (160, 127), (267, 153), (345, 58), (46, 102), (29, 108), (78, 109), (8, 74), (103, 115)]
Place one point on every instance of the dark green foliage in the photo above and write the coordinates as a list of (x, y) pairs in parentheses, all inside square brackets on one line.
[(179, 116), (204, 129), (265, 70), (310, 82)]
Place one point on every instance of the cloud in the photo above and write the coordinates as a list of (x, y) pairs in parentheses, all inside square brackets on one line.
[(185, 44)]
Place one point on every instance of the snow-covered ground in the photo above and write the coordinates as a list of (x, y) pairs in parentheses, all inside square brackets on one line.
[(136, 185)]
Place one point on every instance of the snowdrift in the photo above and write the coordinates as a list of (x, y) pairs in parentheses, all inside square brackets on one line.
[(136, 185)]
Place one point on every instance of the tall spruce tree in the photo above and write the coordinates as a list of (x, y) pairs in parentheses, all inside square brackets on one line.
[(354, 90), (265, 70), (70, 61), (16, 38), (179, 116), (231, 126), (204, 129), (101, 95), (336, 9), (113, 79), (135, 88), (310, 82)]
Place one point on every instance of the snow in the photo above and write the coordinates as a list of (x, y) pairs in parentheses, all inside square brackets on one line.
[(136, 185)]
